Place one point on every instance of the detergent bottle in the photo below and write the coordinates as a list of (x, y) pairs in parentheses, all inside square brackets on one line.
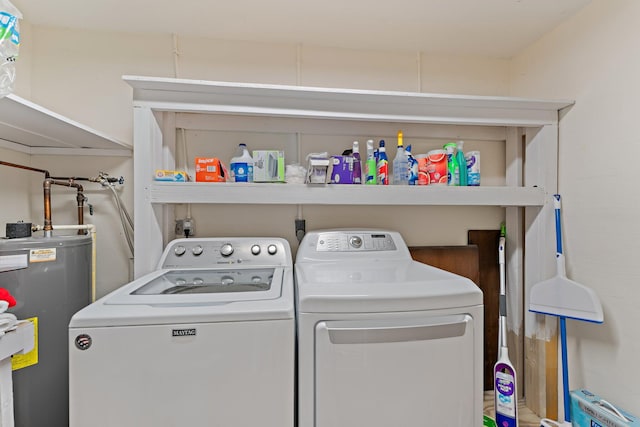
[(241, 165)]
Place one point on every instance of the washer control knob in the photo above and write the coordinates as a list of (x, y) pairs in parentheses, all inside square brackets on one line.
[(272, 249), (255, 249), (179, 250), (226, 249), (355, 241), (197, 250)]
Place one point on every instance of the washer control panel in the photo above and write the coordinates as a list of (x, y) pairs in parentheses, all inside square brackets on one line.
[(208, 252), (354, 242)]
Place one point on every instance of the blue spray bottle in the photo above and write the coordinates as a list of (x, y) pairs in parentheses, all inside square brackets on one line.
[(412, 166), (383, 164)]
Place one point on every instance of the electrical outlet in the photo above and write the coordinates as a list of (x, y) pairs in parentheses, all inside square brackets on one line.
[(179, 228), (189, 227), (185, 227)]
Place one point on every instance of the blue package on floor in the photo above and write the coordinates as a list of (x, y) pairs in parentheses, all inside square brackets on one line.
[(589, 410)]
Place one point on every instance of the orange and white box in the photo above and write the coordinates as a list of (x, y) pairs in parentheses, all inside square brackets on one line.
[(210, 169)]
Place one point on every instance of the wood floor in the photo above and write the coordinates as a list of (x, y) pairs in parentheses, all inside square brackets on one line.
[(526, 418)]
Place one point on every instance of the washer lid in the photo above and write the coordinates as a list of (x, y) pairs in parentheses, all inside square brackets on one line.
[(173, 296), (365, 287), (198, 286)]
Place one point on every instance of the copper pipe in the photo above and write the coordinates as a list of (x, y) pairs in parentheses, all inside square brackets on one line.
[(80, 198), (46, 185), (46, 173)]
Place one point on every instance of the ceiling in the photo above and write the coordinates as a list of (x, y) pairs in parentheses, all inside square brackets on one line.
[(493, 28)]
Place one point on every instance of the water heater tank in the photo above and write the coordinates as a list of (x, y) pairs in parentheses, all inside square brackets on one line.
[(55, 284)]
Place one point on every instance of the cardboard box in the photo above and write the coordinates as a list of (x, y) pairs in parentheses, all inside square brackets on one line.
[(317, 170), (341, 170), (210, 169), (268, 166), (588, 409), (170, 176)]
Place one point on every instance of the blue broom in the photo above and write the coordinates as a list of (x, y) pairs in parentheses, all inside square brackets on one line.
[(565, 299)]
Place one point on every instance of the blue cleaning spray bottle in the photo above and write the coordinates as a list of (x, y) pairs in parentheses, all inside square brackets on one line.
[(412, 167), (383, 164)]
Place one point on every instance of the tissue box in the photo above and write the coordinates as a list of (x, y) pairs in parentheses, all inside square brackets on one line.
[(588, 409), (317, 170), (341, 170), (170, 176), (268, 166), (210, 169)]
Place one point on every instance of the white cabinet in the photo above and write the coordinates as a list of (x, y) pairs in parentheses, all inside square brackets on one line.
[(32, 129)]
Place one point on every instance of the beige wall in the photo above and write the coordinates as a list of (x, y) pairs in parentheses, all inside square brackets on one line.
[(593, 59)]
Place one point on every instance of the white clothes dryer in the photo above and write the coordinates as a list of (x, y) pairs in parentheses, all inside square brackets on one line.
[(208, 339), (384, 340)]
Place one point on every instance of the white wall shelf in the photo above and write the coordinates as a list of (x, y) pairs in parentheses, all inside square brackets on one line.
[(303, 194), (32, 129), (529, 128)]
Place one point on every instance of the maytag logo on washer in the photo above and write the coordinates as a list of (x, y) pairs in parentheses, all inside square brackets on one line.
[(83, 341), (183, 332)]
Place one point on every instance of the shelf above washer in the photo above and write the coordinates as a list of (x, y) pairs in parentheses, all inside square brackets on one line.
[(293, 194), (32, 129)]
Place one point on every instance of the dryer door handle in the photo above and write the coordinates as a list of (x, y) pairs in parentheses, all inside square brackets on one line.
[(399, 330)]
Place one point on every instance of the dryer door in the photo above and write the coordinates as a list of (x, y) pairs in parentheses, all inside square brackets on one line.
[(396, 372)]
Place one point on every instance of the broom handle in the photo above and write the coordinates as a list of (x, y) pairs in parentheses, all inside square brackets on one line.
[(563, 320), (556, 206), (565, 370)]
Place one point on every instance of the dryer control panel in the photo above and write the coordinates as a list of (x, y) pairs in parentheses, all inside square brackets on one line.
[(350, 242)]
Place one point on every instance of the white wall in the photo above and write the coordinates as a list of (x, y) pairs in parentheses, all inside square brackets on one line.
[(593, 59)]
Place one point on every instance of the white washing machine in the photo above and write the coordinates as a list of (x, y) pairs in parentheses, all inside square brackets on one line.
[(208, 339), (384, 340)]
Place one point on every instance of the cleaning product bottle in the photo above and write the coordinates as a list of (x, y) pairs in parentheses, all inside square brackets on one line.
[(383, 165), (241, 165), (453, 170), (400, 166), (357, 165), (462, 164), (412, 167), (370, 165)]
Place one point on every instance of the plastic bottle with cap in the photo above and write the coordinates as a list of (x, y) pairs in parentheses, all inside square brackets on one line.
[(241, 165), (383, 165), (370, 168), (412, 167), (400, 164), (357, 164), (462, 164), (453, 169)]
